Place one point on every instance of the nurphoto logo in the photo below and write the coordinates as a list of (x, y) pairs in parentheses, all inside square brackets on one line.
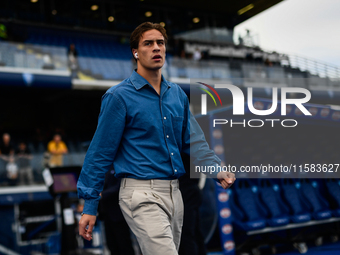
[(239, 105)]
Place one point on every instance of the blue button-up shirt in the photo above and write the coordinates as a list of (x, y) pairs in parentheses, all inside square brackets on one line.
[(142, 134)]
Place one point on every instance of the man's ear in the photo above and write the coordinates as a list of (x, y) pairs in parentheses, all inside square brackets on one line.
[(135, 54)]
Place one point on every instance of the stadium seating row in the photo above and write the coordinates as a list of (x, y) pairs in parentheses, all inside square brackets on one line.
[(105, 57), (32, 56), (95, 55), (261, 203), (37, 164), (86, 45)]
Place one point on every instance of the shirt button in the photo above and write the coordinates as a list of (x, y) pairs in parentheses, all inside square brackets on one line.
[(167, 136), (172, 154), (165, 118), (175, 170)]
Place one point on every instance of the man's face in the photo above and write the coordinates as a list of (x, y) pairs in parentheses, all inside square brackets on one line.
[(22, 146), (57, 138), (6, 138), (151, 50)]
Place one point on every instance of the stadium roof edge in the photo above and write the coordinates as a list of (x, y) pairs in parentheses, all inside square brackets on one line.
[(53, 26), (217, 13), (237, 11)]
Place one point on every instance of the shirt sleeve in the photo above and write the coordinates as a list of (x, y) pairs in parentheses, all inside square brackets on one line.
[(195, 144), (64, 146), (102, 151), (50, 146)]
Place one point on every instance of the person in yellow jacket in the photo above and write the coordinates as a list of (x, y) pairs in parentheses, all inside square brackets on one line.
[(57, 148)]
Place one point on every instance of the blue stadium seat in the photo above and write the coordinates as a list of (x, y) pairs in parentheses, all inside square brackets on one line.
[(270, 195), (320, 207), (300, 211), (193, 72), (251, 215), (239, 218), (333, 189), (220, 73)]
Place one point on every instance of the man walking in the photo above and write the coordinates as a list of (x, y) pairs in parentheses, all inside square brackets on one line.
[(143, 127)]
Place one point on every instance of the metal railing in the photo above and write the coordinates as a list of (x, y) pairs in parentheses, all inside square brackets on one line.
[(55, 58), (314, 67), (17, 170)]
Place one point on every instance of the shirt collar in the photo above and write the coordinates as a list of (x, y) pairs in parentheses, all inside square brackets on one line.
[(139, 82)]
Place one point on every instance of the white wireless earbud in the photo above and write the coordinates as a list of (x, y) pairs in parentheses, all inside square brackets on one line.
[(136, 55)]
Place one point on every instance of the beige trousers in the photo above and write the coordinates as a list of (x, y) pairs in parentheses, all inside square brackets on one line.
[(153, 209)]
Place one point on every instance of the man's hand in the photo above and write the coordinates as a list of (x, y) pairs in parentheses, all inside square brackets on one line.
[(86, 220), (226, 179)]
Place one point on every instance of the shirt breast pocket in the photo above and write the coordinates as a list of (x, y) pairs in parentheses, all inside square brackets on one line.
[(177, 125)]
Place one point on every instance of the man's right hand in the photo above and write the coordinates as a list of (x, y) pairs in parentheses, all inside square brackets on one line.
[(86, 220), (226, 179)]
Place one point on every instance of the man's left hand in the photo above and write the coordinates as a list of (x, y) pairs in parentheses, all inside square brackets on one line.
[(226, 179)]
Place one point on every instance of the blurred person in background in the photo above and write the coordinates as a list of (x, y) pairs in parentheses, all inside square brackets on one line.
[(268, 68), (240, 40), (24, 158), (117, 231), (12, 171), (192, 240), (7, 155), (197, 55), (57, 148), (72, 55), (6, 147), (268, 63)]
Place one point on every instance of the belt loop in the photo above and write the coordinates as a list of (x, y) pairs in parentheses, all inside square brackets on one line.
[(151, 182), (124, 183)]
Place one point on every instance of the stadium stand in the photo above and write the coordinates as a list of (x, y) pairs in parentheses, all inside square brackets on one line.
[(100, 54), (33, 56), (108, 57)]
